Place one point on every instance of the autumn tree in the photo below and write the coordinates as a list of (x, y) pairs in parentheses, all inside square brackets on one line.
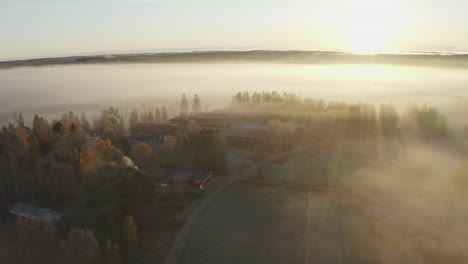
[(101, 154), (130, 237)]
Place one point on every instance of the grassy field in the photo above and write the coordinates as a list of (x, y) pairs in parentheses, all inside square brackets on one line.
[(251, 224), (318, 166), (303, 168), (269, 223)]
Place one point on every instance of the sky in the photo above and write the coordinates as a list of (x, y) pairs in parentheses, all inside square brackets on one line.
[(45, 28)]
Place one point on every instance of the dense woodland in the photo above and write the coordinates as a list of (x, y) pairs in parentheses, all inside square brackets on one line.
[(105, 188)]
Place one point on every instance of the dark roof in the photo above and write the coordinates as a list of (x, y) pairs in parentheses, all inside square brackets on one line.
[(231, 113), (25, 209), (208, 115), (216, 123), (178, 119), (248, 131), (36, 213)]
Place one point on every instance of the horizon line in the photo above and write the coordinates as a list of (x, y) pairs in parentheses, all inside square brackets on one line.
[(189, 50)]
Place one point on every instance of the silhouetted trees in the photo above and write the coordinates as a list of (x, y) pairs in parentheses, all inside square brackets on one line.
[(196, 104), (164, 116), (157, 116), (134, 119), (184, 107), (341, 119)]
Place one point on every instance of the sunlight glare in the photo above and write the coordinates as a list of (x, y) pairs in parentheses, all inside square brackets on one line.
[(368, 26)]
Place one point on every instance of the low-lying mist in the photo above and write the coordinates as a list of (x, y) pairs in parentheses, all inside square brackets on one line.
[(51, 90)]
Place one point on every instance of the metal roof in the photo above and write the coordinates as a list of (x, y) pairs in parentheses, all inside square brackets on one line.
[(25, 210), (36, 213), (217, 123)]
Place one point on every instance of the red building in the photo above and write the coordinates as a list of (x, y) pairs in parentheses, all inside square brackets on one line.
[(195, 178)]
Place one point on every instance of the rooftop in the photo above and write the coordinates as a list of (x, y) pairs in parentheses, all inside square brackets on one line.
[(250, 131), (217, 123), (36, 213), (208, 115)]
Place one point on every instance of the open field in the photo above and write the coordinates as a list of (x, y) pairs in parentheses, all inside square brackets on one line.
[(321, 166), (251, 224), (266, 224), (368, 216), (258, 223)]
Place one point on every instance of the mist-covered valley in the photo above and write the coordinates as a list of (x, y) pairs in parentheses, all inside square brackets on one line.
[(52, 90)]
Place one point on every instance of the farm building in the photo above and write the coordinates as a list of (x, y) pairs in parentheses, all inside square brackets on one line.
[(247, 135), (195, 178), (38, 214), (210, 121), (179, 121), (236, 114)]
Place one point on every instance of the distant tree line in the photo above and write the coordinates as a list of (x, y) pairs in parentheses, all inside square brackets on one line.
[(343, 119), (148, 117)]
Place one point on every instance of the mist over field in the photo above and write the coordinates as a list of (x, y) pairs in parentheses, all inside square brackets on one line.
[(51, 90)]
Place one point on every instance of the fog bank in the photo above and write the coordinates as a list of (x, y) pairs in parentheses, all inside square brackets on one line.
[(51, 89)]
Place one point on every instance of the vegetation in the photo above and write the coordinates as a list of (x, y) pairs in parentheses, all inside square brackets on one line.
[(340, 119)]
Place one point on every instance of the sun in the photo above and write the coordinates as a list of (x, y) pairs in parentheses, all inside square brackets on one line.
[(367, 26)]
